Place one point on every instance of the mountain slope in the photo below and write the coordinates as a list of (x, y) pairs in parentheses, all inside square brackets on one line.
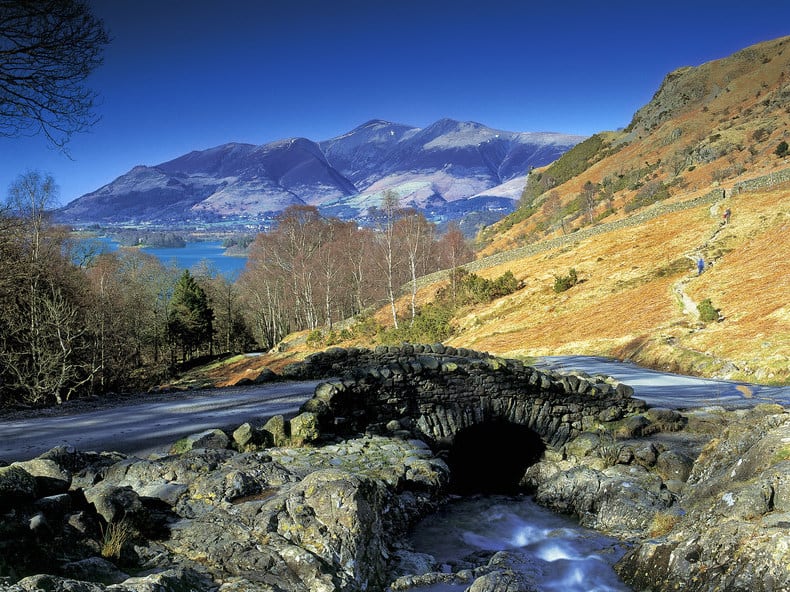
[(430, 169), (708, 126)]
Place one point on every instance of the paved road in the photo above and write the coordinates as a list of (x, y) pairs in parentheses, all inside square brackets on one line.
[(145, 427), (673, 390)]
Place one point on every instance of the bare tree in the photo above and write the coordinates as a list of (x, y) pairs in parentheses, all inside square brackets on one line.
[(553, 208), (452, 251), (588, 193), (387, 216), (44, 343), (415, 234), (48, 48)]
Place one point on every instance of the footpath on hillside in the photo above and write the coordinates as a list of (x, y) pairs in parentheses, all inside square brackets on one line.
[(703, 264), (641, 217)]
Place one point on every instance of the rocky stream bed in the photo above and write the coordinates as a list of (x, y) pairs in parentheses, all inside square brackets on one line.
[(700, 499)]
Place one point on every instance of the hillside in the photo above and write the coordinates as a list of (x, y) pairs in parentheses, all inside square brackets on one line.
[(631, 211)]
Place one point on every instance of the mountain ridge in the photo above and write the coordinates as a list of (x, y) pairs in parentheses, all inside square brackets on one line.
[(429, 168)]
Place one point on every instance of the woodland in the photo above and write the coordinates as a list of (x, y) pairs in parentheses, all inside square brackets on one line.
[(79, 323)]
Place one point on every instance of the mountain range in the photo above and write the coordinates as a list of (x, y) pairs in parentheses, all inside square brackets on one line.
[(446, 170)]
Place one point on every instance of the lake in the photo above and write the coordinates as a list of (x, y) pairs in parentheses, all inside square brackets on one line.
[(190, 256)]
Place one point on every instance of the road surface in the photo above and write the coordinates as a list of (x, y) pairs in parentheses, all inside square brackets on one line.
[(676, 391), (150, 426)]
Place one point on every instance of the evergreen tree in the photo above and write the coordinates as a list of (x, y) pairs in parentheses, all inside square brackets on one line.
[(190, 318)]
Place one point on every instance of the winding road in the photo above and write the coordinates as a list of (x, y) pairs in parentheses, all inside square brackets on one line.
[(150, 426), (155, 422)]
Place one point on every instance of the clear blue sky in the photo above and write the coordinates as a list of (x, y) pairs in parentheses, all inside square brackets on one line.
[(189, 75)]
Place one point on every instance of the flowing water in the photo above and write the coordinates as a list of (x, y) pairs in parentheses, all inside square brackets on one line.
[(558, 553)]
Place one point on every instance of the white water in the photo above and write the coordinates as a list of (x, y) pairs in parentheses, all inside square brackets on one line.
[(561, 555)]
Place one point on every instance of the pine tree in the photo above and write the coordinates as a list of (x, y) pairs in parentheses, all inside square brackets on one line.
[(190, 318)]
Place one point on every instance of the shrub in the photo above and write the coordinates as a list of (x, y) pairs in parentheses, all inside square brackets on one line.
[(781, 149), (470, 288), (565, 282), (707, 312), (431, 324), (760, 134), (315, 337), (652, 192)]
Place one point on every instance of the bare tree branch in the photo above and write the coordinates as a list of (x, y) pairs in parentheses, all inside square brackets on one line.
[(48, 48)]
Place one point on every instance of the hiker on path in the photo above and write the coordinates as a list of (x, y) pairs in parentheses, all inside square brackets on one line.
[(700, 265), (726, 216)]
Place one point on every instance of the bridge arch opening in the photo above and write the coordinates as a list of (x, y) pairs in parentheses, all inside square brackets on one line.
[(491, 457)]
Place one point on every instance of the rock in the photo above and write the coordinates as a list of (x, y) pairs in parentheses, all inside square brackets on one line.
[(646, 455), (410, 563), (115, 504), (731, 535), (16, 485), (619, 500), (246, 438), (335, 515), (611, 414), (40, 527), (94, 569), (632, 427), (665, 420), (208, 439), (304, 429), (507, 572), (50, 477), (673, 465), (243, 436), (54, 506), (55, 584), (276, 428), (177, 579), (583, 445)]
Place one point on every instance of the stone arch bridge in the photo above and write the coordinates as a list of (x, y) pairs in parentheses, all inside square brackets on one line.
[(460, 399)]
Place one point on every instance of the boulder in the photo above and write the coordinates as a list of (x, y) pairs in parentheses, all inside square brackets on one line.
[(16, 485), (275, 427), (247, 438), (50, 477), (115, 504), (214, 438), (94, 569), (732, 534), (673, 465), (304, 429)]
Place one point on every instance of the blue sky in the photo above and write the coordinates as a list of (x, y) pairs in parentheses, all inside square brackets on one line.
[(189, 75)]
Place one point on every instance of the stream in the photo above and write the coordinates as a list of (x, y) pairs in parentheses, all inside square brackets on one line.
[(556, 553), (553, 550)]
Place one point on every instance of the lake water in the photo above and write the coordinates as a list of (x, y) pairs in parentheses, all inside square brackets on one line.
[(190, 256)]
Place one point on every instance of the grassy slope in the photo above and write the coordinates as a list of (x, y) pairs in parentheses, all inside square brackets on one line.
[(626, 306)]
